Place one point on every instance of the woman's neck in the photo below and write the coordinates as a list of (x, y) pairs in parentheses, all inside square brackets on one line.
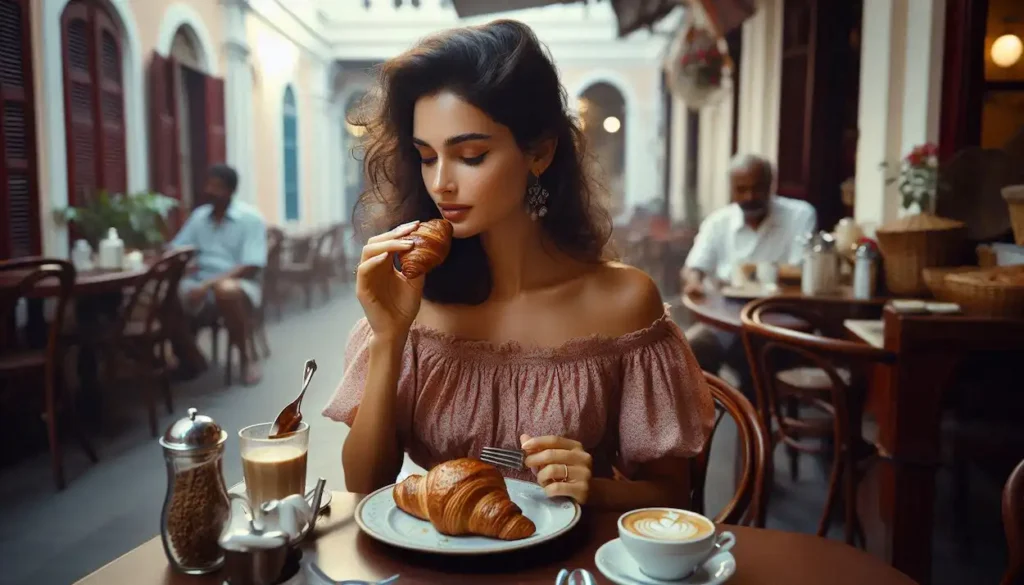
[(520, 257)]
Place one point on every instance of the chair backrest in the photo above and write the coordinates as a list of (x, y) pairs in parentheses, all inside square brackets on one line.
[(752, 442), (771, 348), (1013, 524), (152, 292), (18, 278)]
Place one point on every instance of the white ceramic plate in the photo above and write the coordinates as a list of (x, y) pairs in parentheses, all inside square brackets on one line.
[(615, 562), (379, 517)]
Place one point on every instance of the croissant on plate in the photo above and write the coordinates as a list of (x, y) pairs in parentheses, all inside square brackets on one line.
[(432, 240), (464, 497)]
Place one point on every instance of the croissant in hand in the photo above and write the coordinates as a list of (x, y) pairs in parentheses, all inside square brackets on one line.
[(464, 497), (432, 240)]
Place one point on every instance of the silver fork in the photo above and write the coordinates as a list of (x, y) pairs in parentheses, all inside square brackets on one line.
[(510, 458)]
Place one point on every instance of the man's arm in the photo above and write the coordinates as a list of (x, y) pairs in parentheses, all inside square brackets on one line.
[(186, 235), (701, 261), (805, 225), (253, 258)]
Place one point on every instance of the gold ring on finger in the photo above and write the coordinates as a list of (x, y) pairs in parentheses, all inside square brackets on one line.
[(565, 473)]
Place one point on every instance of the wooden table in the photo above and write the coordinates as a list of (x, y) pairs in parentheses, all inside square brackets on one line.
[(87, 283), (717, 310), (909, 398), (765, 557)]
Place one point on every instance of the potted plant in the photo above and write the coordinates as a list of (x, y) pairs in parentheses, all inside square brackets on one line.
[(140, 218), (698, 66), (918, 179)]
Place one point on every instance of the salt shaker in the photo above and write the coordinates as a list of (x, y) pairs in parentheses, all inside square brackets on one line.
[(196, 506), (820, 274), (865, 271)]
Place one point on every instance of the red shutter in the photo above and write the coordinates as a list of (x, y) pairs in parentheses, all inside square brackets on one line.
[(19, 194), (109, 82), (79, 102), (216, 129), (166, 168), (93, 101)]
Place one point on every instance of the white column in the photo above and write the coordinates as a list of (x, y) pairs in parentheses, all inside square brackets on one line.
[(880, 113), (922, 84), (761, 60), (677, 161), (238, 98), (322, 170)]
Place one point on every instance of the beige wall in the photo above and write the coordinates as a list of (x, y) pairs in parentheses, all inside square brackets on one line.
[(154, 18)]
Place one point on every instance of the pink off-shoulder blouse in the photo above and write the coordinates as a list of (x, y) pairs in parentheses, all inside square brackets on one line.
[(627, 400)]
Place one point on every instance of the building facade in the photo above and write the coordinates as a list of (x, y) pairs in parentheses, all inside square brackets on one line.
[(139, 95)]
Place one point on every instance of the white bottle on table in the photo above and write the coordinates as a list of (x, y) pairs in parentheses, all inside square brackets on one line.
[(81, 255), (111, 251)]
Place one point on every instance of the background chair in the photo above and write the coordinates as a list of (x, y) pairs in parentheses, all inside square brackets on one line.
[(19, 360), (752, 443), (797, 373)]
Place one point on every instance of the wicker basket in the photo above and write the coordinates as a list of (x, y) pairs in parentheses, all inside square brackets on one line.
[(913, 243), (995, 292), (935, 279), (1014, 196)]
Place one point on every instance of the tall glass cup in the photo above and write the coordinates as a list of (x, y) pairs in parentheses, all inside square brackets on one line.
[(273, 468)]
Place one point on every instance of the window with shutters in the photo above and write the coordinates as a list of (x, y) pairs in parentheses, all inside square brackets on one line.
[(19, 196), (291, 156), (93, 101)]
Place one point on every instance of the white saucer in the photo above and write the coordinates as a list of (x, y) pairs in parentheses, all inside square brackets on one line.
[(616, 564)]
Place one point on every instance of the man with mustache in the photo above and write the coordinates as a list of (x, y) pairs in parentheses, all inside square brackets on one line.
[(756, 227), (231, 239)]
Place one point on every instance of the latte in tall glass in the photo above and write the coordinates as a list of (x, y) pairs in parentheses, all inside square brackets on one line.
[(273, 468)]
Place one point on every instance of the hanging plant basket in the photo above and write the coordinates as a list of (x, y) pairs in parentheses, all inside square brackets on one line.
[(698, 66)]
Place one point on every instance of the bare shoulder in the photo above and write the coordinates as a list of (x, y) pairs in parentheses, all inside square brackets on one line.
[(623, 298)]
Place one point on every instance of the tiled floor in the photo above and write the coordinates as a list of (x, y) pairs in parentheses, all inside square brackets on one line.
[(51, 538)]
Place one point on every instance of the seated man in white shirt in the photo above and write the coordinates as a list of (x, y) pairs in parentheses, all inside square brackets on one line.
[(231, 238), (756, 227)]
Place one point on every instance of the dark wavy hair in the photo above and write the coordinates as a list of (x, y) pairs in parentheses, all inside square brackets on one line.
[(502, 69)]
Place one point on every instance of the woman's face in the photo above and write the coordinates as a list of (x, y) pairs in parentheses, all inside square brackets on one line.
[(472, 167)]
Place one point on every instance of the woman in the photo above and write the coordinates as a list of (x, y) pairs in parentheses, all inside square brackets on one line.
[(525, 336)]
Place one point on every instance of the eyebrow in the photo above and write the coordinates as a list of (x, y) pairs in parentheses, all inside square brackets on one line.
[(453, 140)]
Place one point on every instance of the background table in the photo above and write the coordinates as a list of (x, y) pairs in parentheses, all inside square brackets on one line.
[(763, 557)]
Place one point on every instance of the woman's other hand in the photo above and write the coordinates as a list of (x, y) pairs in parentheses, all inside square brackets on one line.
[(562, 467), (390, 301)]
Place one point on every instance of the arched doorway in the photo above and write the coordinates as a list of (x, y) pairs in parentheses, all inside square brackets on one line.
[(351, 139), (602, 110), (189, 88)]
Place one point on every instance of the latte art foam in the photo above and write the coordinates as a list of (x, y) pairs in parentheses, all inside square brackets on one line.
[(667, 525)]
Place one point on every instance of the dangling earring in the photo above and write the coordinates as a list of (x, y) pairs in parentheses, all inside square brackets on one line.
[(536, 197)]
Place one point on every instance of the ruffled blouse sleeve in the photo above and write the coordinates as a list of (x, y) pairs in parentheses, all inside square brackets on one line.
[(666, 407), (343, 405)]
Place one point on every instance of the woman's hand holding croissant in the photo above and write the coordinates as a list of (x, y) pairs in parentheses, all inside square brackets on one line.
[(563, 468), (390, 301)]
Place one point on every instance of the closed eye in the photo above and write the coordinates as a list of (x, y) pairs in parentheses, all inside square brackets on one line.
[(427, 161), (474, 160)]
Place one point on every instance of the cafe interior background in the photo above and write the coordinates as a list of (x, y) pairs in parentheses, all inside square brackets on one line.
[(838, 95)]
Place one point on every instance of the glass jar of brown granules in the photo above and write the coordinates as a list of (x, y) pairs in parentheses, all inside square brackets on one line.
[(196, 506)]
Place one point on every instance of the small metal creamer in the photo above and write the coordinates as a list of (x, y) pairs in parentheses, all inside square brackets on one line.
[(257, 549)]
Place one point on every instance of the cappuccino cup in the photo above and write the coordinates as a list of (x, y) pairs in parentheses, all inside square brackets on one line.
[(669, 543)]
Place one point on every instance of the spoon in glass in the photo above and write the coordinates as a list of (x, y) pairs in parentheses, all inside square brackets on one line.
[(290, 417)]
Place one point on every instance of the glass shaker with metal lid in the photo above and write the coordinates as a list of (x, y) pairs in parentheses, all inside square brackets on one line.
[(196, 506), (820, 273)]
